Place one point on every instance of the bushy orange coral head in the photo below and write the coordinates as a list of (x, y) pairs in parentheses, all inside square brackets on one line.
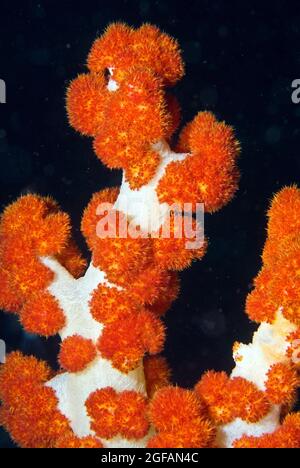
[(136, 117), (111, 304), (37, 223), (281, 384), (17, 372), (101, 407), (132, 415), (114, 413), (35, 421), (76, 353), (211, 389), (42, 314), (153, 285), (180, 420), (209, 175), (122, 101), (125, 341), (29, 408), (286, 285), (283, 214), (260, 307), (122, 47), (168, 292), (227, 399), (278, 283), (31, 227), (293, 351), (86, 98), (248, 402)]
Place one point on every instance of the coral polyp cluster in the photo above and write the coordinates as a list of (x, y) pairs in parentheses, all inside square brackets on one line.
[(180, 419), (281, 255), (138, 65), (130, 71), (212, 146), (113, 388), (30, 228)]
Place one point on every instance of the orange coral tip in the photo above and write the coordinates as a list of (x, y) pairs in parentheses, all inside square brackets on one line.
[(76, 353), (42, 314)]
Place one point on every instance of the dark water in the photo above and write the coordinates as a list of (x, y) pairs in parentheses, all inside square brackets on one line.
[(241, 59)]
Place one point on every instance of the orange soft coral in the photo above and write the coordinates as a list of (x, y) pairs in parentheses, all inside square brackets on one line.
[(123, 103), (118, 253), (30, 228), (42, 314), (282, 382), (293, 350), (277, 284), (153, 285), (112, 48), (76, 353), (260, 307), (27, 405), (157, 373), (37, 223), (71, 441), (72, 259), (35, 421), (122, 47), (27, 274), (180, 420), (131, 415), (209, 175), (168, 292), (227, 399), (91, 215), (286, 436), (110, 304), (283, 214), (115, 413), (86, 99), (9, 300), (247, 401), (171, 245), (127, 119), (125, 341), (18, 371), (212, 390), (101, 407)]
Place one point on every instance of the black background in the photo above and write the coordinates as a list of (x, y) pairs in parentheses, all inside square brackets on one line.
[(241, 58)]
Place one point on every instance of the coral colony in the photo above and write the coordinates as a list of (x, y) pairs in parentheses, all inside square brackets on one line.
[(113, 388)]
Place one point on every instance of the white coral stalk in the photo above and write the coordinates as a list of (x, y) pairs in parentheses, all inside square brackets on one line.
[(253, 361), (72, 389)]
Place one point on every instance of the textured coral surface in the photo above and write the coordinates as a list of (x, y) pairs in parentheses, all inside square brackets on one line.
[(113, 388)]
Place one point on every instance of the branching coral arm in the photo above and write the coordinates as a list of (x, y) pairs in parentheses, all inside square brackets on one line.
[(250, 408)]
